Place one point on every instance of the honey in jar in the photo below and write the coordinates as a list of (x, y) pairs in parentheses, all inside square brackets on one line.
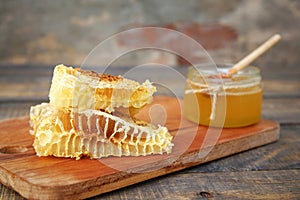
[(229, 101)]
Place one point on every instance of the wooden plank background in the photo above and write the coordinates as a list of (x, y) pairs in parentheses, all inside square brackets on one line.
[(268, 172)]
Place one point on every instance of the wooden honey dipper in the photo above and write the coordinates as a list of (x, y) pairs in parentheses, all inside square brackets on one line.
[(254, 54)]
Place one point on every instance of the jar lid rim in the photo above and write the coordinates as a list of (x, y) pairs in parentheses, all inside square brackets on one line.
[(223, 68)]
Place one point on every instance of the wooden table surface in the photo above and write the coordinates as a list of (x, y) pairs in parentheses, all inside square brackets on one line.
[(268, 172)]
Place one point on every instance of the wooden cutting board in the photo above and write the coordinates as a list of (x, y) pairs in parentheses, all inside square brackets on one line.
[(62, 178)]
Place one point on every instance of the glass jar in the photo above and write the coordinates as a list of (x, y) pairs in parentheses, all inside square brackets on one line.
[(229, 101)]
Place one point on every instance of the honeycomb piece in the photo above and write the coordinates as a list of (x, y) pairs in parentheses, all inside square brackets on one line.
[(93, 133), (76, 88)]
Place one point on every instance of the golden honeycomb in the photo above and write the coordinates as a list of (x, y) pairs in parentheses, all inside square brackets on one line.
[(80, 89), (93, 133), (91, 114)]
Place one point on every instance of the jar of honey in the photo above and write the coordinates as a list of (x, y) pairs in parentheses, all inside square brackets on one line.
[(213, 98)]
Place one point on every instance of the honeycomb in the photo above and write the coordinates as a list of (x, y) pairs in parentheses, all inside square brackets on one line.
[(80, 89), (91, 114), (93, 133)]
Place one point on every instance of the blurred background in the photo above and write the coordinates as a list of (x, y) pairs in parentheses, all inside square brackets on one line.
[(51, 32)]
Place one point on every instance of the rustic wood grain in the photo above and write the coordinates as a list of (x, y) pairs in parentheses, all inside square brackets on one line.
[(50, 177), (284, 87), (284, 110), (217, 185), (10, 110)]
